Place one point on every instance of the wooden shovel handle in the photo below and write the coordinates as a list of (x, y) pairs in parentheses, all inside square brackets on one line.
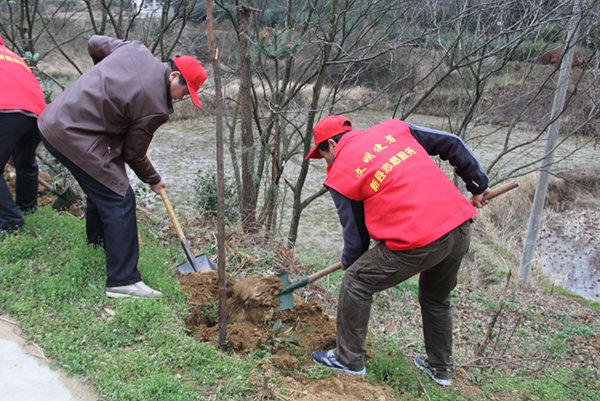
[(500, 190), (315, 276), (47, 185), (171, 213)]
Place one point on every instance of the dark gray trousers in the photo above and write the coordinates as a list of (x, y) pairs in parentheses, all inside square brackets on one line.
[(380, 268)]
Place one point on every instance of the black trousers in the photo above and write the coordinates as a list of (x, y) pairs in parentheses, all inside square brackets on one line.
[(110, 221), (19, 137)]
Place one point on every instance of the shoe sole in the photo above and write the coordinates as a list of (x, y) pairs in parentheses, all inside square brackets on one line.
[(348, 372), (446, 383), (119, 295)]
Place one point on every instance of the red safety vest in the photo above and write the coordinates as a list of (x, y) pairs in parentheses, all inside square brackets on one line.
[(408, 200), (20, 88)]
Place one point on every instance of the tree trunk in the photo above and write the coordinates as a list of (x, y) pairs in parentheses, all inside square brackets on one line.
[(535, 218), (247, 157), (272, 196), (219, 114)]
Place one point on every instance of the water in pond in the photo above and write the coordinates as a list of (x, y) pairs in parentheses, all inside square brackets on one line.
[(572, 263)]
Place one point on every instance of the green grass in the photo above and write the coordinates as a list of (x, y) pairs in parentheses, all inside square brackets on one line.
[(489, 257), (396, 370), (554, 289), (52, 282), (406, 289), (554, 383), (561, 384)]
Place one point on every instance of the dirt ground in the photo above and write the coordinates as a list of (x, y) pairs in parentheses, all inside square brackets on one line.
[(256, 323), (337, 387)]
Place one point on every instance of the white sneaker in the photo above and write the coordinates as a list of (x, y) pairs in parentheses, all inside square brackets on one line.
[(440, 376), (136, 290)]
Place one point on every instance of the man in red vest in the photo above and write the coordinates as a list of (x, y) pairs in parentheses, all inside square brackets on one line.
[(387, 188), (21, 102)]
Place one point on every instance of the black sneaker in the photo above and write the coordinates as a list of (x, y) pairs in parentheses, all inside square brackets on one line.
[(28, 210), (328, 359), (440, 376), (9, 230)]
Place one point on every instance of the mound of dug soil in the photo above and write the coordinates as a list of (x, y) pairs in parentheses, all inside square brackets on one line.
[(255, 321)]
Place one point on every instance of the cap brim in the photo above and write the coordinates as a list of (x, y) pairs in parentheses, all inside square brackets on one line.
[(194, 97), (314, 153)]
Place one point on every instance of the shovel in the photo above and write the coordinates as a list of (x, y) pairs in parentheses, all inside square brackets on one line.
[(193, 263), (286, 299), (500, 190), (65, 198)]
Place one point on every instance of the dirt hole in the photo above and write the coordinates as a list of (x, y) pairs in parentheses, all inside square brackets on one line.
[(255, 321)]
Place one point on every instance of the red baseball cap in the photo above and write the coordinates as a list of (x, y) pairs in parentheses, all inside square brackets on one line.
[(194, 75), (326, 128)]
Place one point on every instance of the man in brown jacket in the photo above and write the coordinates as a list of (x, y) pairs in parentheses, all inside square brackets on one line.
[(105, 119)]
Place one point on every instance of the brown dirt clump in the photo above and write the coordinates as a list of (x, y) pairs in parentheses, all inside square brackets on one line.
[(337, 387), (255, 321), (255, 299)]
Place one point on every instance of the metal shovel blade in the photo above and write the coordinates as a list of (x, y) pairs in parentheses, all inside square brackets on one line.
[(65, 199), (286, 300), (202, 263), (286, 296)]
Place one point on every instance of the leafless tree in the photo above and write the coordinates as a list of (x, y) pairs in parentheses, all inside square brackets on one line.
[(299, 60), (33, 27), (290, 58), (411, 51)]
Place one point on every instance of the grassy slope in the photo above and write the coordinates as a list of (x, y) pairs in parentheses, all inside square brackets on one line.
[(53, 284)]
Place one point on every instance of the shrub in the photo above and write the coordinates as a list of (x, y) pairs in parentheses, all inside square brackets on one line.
[(205, 188)]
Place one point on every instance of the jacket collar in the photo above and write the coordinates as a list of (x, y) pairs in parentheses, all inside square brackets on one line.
[(167, 87)]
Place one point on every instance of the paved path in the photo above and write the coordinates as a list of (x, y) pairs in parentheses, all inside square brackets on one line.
[(25, 374)]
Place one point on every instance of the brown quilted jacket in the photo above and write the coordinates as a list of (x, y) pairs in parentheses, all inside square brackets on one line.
[(109, 115)]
